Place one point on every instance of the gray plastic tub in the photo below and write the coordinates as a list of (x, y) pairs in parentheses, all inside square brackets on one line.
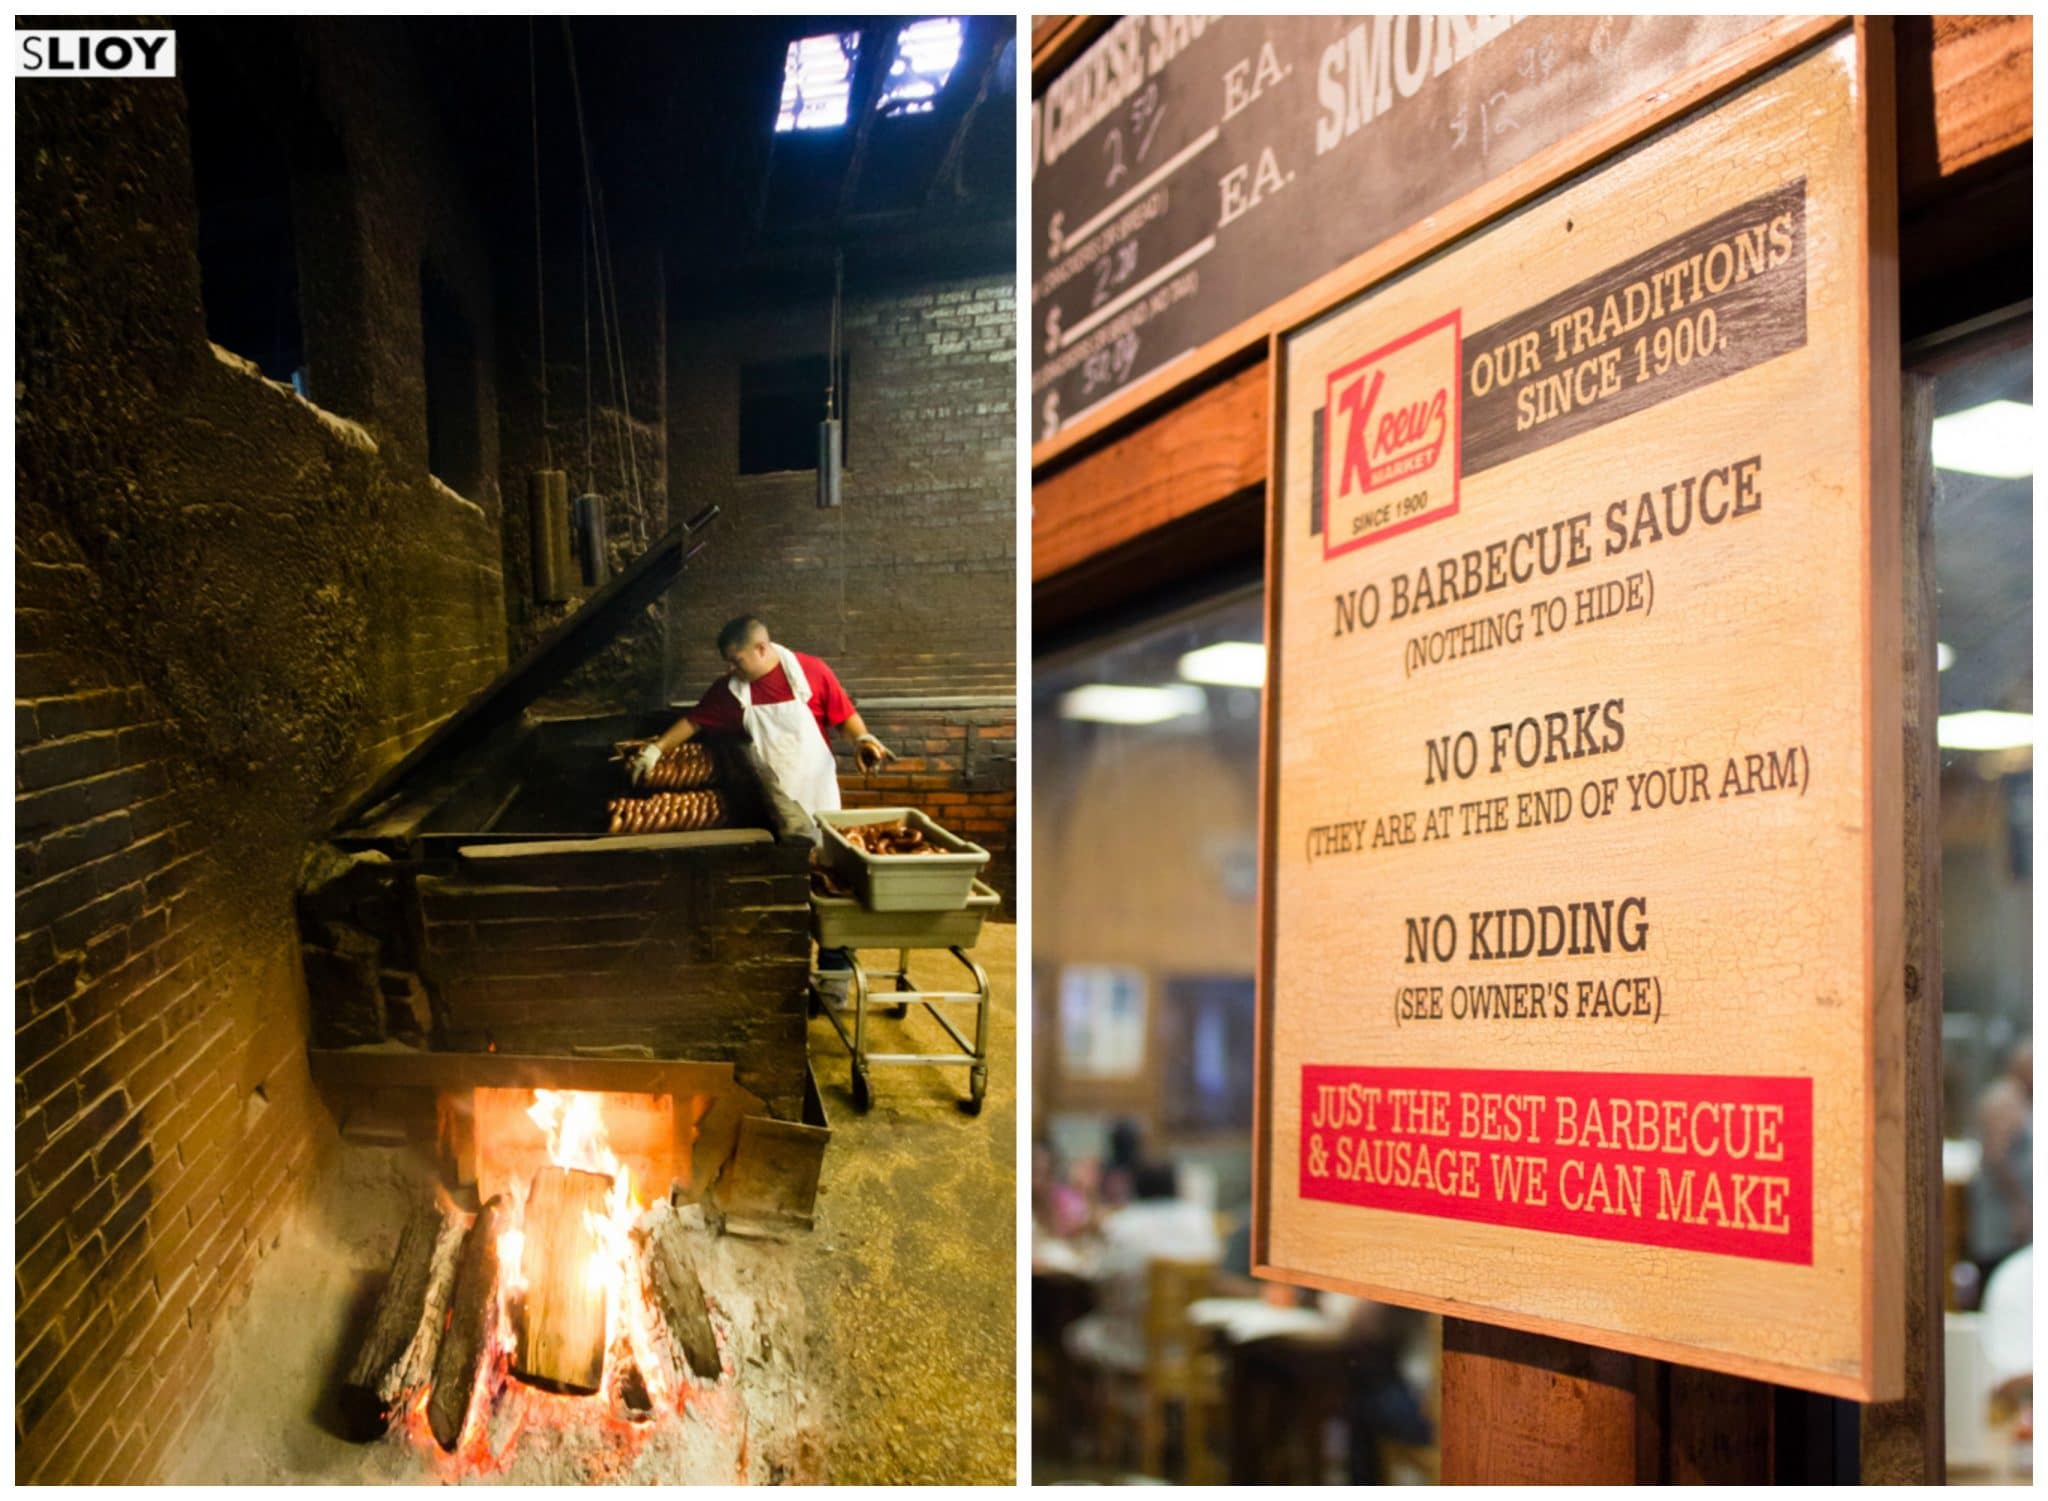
[(841, 922), (903, 883)]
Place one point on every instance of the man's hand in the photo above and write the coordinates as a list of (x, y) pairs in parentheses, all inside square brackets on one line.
[(871, 753), (640, 764)]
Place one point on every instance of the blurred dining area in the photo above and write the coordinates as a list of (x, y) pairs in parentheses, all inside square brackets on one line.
[(1156, 1356)]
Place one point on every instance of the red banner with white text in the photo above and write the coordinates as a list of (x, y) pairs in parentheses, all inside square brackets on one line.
[(1695, 1162)]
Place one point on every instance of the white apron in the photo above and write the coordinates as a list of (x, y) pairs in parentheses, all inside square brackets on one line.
[(786, 740)]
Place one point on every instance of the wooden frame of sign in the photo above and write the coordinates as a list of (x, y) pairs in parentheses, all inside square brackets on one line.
[(1580, 965)]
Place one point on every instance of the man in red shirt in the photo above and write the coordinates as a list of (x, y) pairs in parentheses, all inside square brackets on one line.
[(788, 703), (772, 693)]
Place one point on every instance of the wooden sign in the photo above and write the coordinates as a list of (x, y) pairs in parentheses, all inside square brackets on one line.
[(1190, 171), (1581, 956)]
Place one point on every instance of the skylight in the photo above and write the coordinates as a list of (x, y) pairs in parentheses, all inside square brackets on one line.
[(817, 81), (925, 54)]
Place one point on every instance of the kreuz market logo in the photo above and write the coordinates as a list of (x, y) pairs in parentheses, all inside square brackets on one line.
[(1391, 455)]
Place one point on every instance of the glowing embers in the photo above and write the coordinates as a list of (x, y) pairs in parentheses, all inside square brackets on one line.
[(817, 81), (553, 1331), (925, 54)]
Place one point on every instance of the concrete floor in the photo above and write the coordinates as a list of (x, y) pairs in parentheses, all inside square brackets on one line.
[(913, 1296), (897, 1312)]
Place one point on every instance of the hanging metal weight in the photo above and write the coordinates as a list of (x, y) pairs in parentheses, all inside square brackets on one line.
[(592, 556), (547, 497)]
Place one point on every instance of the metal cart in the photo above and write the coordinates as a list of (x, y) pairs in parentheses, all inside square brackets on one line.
[(833, 926)]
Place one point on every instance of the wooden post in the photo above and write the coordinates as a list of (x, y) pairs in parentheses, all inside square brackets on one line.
[(1904, 1442)]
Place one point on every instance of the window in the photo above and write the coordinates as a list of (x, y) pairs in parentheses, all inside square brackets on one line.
[(454, 442), (925, 54), (1983, 448), (781, 404), (241, 177), (817, 82)]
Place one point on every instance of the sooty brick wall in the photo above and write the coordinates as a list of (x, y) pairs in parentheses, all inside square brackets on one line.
[(616, 448), (693, 953), (232, 609), (909, 587)]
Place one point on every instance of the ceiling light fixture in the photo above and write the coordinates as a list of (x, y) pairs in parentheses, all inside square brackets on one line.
[(1117, 703), (1995, 440), (1984, 730), (1226, 664)]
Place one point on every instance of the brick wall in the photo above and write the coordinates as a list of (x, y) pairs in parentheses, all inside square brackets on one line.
[(699, 954), (232, 609), (909, 588), (616, 450)]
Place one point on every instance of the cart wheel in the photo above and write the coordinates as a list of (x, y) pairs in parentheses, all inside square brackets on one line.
[(977, 1084), (900, 1010), (863, 1097), (812, 1005)]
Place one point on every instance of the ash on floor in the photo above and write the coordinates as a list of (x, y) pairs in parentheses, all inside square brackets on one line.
[(274, 1419), (895, 1316)]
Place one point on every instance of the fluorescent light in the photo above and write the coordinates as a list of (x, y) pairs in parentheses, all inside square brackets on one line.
[(817, 81), (1944, 656), (1115, 703), (1984, 730), (1995, 440), (1227, 664)]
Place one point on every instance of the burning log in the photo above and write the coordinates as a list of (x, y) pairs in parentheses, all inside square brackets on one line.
[(561, 1345), (465, 1351), (374, 1388), (677, 1292)]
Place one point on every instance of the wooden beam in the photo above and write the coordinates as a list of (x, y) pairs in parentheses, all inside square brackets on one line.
[(1966, 87), (949, 163), (390, 1067), (870, 73), (1058, 40), (1202, 452)]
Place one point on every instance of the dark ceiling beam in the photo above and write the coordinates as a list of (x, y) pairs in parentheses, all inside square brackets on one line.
[(949, 164), (870, 74), (772, 92)]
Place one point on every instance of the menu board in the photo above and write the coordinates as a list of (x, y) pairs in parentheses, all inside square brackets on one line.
[(1581, 1002), (1189, 172)]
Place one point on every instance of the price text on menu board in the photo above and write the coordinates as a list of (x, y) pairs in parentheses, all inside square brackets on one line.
[(1188, 172), (1582, 782)]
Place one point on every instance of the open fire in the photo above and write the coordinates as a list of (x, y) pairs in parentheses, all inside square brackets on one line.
[(568, 1310)]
